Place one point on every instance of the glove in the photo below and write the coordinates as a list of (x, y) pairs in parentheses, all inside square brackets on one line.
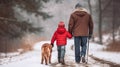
[(52, 44), (90, 35)]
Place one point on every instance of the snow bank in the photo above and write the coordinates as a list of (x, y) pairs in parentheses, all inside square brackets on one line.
[(97, 51)]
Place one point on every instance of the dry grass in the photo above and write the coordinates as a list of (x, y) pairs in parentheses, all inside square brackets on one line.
[(114, 47)]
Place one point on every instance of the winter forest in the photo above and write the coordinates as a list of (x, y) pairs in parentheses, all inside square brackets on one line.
[(26, 24)]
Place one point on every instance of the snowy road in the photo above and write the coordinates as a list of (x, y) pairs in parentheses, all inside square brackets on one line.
[(32, 59), (70, 60)]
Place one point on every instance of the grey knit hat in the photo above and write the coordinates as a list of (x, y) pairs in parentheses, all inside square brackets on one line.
[(78, 5)]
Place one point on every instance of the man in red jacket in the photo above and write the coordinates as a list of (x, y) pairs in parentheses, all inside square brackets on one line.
[(61, 35)]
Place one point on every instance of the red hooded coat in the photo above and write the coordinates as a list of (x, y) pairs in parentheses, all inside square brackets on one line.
[(61, 36)]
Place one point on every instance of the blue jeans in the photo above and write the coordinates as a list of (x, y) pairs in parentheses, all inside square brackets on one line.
[(80, 47), (61, 52)]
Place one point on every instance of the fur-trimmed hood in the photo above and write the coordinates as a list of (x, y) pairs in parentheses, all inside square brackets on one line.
[(80, 11)]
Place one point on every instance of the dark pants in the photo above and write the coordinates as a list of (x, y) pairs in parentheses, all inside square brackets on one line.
[(80, 42), (61, 52)]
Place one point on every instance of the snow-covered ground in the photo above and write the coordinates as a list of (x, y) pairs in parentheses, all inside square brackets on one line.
[(33, 58), (97, 51)]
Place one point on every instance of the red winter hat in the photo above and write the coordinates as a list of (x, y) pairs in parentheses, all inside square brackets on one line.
[(61, 24)]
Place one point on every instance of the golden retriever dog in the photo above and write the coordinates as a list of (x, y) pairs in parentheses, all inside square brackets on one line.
[(46, 51)]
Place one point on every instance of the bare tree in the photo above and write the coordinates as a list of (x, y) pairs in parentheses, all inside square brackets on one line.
[(113, 22), (100, 23), (90, 9)]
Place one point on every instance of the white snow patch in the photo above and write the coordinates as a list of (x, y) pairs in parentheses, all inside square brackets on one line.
[(33, 58)]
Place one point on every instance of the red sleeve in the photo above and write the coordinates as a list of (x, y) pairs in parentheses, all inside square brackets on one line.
[(69, 35), (53, 38)]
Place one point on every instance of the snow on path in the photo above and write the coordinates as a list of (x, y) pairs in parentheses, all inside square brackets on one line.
[(33, 58), (70, 59), (97, 51)]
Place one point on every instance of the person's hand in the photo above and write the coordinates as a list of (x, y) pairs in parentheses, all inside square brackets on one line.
[(90, 36), (52, 44)]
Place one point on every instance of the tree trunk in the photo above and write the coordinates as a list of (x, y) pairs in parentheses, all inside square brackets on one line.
[(119, 33), (113, 23), (6, 48), (100, 23), (90, 9)]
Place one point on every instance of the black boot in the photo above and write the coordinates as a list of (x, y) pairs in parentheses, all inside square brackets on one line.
[(83, 59), (62, 61), (59, 60)]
